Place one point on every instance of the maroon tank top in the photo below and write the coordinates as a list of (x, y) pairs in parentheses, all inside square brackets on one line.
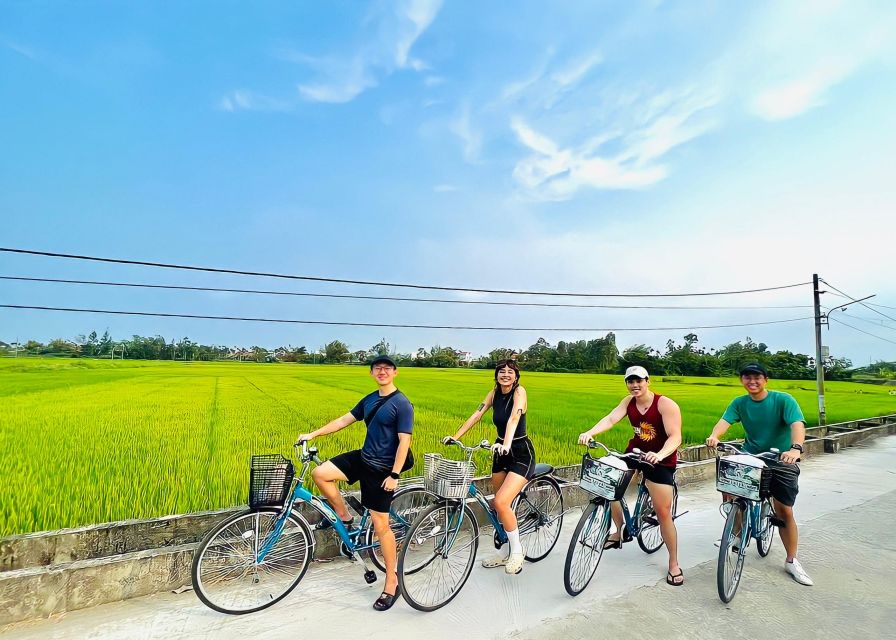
[(650, 432)]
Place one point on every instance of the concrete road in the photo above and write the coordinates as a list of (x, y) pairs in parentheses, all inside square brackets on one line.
[(846, 511)]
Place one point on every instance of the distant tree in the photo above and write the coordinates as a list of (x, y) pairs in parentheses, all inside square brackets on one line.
[(335, 352)]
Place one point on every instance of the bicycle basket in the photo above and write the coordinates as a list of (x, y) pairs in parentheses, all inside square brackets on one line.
[(270, 478), (607, 477), (744, 476), (447, 478)]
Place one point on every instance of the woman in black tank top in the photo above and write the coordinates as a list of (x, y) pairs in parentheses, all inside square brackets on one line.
[(514, 456)]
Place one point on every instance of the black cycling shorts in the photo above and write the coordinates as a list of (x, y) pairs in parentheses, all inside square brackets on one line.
[(519, 460), (373, 496), (657, 473), (785, 482)]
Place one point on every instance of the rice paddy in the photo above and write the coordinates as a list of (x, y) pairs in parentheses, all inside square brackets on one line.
[(87, 441)]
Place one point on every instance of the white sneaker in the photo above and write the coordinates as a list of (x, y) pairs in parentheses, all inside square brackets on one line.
[(497, 560), (796, 571), (514, 563)]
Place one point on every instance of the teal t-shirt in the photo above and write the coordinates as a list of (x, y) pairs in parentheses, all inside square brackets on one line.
[(767, 422)]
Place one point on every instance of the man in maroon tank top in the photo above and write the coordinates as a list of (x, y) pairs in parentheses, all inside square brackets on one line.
[(656, 421)]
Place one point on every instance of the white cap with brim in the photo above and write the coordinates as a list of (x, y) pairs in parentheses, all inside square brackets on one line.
[(636, 372)]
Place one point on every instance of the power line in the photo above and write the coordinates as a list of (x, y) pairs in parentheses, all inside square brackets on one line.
[(389, 325), (882, 306), (876, 323), (391, 298), (391, 284), (867, 333), (880, 313)]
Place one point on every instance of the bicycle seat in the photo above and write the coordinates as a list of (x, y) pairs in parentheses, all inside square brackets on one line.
[(543, 469)]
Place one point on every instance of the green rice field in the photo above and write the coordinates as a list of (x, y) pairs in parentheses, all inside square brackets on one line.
[(88, 441)]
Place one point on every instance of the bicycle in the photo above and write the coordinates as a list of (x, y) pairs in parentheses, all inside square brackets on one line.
[(751, 513), (608, 480), (255, 558), (440, 548)]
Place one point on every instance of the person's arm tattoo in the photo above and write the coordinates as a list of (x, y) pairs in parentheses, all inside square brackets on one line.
[(481, 406)]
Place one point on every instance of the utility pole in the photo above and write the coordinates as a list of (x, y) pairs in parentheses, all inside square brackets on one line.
[(819, 361)]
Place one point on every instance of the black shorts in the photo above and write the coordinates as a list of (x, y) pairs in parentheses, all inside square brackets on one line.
[(519, 460), (785, 482), (373, 496), (657, 473)]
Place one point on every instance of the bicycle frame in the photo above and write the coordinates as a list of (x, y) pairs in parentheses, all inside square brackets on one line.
[(300, 494)]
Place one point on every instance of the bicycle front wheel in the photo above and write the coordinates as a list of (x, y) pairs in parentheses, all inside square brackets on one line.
[(407, 504), (539, 517), (766, 528), (247, 563), (650, 538), (732, 549), (438, 555), (586, 547)]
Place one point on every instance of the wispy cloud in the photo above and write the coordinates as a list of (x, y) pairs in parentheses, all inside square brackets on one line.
[(471, 138), (387, 50), (624, 156), (22, 50), (243, 100), (389, 34), (795, 55)]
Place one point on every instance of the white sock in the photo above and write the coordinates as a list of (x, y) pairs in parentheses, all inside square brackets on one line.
[(513, 537)]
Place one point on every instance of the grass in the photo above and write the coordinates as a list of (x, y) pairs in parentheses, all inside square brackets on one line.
[(86, 441)]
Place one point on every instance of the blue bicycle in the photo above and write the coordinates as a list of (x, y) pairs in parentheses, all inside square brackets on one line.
[(440, 548), (608, 480), (255, 558), (749, 513)]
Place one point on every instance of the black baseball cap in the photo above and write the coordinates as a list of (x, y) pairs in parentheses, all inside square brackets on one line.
[(753, 367), (384, 359)]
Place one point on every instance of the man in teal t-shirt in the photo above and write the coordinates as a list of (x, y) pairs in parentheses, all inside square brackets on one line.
[(771, 420)]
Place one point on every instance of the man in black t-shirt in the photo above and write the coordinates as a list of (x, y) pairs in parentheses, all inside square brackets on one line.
[(386, 453)]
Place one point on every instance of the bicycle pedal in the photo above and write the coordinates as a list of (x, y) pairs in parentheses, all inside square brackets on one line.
[(369, 576), (653, 522), (776, 521)]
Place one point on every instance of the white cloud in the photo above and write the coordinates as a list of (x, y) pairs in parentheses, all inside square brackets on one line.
[(471, 138), (419, 14), (22, 50), (794, 55), (557, 172), (384, 50), (243, 100)]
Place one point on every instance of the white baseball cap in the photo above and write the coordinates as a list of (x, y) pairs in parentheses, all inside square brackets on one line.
[(633, 372)]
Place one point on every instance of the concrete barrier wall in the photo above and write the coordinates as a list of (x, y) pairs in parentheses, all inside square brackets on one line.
[(52, 572)]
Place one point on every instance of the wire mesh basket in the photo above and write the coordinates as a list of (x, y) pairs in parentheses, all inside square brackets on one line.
[(447, 478), (605, 477), (744, 476), (270, 478)]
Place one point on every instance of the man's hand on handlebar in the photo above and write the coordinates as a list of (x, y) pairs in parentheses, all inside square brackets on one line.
[(712, 442)]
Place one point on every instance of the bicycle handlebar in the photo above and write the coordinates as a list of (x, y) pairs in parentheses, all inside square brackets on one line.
[(448, 442), (773, 454), (635, 454)]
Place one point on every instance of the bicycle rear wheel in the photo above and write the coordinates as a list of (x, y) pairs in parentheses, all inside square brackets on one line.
[(539, 517), (766, 528), (586, 547), (732, 549), (407, 504), (438, 555), (650, 538), (227, 575)]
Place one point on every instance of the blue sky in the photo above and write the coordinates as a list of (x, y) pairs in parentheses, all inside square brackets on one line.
[(604, 147)]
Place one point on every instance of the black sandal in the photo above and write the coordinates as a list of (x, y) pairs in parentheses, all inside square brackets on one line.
[(670, 579), (613, 544), (386, 600)]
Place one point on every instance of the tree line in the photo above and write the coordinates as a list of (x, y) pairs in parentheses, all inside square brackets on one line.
[(598, 355)]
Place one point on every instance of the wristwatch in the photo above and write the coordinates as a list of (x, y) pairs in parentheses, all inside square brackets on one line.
[(394, 475), (798, 447)]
